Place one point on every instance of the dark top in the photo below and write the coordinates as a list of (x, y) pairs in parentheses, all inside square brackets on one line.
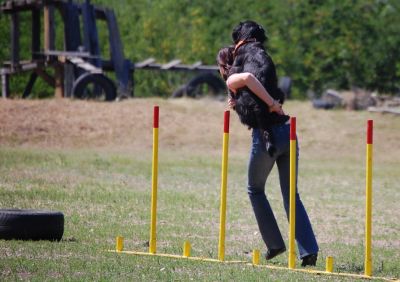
[(253, 58)]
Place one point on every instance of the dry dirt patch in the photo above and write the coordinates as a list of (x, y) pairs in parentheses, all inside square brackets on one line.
[(63, 123), (185, 124)]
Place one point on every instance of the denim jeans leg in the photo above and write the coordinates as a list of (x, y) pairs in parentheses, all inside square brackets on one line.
[(260, 165), (306, 242)]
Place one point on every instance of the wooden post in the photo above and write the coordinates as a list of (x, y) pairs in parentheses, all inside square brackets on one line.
[(69, 78), (121, 67), (72, 32), (90, 38), (35, 33), (59, 81), (5, 86), (15, 39), (49, 28)]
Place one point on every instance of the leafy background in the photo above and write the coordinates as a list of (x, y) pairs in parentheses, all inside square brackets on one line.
[(319, 44)]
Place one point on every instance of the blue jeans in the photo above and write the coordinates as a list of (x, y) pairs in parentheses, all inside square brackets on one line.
[(260, 166)]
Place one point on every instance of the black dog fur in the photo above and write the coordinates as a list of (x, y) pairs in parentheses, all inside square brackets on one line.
[(251, 57)]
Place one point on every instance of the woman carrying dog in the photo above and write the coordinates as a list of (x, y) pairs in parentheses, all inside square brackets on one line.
[(261, 162)]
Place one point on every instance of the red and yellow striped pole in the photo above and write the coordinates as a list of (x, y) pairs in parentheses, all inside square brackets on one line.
[(368, 201), (224, 174), (292, 200), (154, 181)]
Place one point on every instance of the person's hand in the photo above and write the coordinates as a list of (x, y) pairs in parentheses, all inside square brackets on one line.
[(233, 90), (231, 103), (276, 108)]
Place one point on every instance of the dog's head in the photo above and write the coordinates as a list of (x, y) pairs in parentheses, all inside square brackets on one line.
[(225, 60), (248, 30)]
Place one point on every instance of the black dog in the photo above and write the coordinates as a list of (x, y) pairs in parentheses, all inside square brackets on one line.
[(250, 56)]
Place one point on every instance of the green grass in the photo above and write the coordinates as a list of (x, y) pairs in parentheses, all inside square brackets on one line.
[(105, 194), (101, 181)]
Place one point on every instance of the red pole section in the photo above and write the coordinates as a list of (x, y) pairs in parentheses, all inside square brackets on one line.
[(293, 128), (155, 118), (226, 121), (370, 126)]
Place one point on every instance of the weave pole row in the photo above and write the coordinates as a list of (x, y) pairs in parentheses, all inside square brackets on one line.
[(292, 212)]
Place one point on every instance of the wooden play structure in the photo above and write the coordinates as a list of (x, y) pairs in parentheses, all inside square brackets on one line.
[(71, 61), (78, 69)]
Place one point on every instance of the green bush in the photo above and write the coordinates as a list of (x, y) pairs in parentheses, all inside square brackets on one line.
[(319, 44)]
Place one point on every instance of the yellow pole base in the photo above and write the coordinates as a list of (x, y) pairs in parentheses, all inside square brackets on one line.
[(119, 247), (329, 264), (186, 249), (256, 257)]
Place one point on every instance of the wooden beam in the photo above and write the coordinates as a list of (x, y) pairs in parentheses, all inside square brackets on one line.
[(29, 86), (12, 6), (145, 63), (171, 64), (46, 77), (196, 64), (23, 66), (68, 54), (84, 65)]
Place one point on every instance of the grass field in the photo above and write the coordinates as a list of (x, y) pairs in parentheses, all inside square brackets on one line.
[(92, 161)]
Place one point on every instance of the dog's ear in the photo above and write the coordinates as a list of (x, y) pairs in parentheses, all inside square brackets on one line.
[(259, 34), (236, 32)]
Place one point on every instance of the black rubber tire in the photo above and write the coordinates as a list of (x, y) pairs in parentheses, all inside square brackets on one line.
[(180, 92), (216, 84), (31, 225), (100, 80)]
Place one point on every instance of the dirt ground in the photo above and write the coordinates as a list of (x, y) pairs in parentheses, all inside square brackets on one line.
[(63, 123), (185, 124)]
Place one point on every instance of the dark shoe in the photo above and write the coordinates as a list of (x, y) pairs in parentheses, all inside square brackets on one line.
[(271, 253), (309, 260)]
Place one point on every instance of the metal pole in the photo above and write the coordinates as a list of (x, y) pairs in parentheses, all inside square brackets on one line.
[(154, 180), (224, 172), (368, 201), (292, 200)]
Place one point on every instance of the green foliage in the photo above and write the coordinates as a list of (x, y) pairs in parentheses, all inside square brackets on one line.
[(319, 44)]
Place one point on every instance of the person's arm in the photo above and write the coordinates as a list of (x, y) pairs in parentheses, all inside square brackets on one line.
[(245, 79)]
